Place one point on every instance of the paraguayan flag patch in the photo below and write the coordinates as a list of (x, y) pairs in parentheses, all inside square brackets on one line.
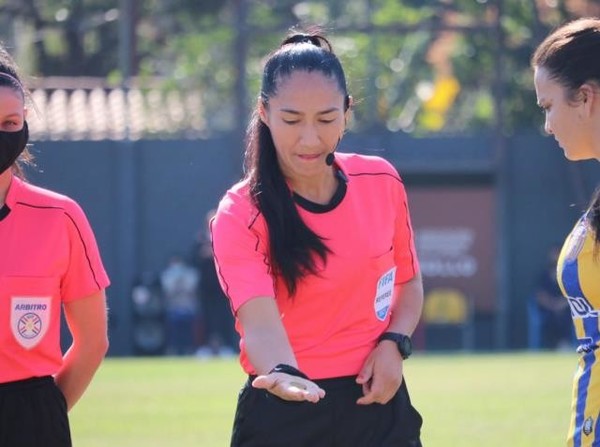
[(29, 319)]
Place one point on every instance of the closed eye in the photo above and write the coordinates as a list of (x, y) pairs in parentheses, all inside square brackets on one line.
[(10, 125), (544, 107)]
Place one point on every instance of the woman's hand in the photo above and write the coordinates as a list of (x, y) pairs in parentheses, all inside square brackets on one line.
[(381, 375), (288, 387), (267, 344)]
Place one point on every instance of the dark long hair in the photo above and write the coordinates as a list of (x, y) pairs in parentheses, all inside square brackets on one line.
[(594, 215), (9, 77), (292, 244), (567, 54)]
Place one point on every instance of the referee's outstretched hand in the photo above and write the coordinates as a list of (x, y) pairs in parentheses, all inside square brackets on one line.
[(288, 387)]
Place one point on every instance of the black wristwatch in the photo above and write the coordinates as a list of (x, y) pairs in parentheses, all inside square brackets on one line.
[(403, 342)]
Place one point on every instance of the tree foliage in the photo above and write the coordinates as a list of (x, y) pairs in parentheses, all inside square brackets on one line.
[(426, 66)]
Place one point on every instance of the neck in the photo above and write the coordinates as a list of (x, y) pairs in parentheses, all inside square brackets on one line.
[(594, 130), (596, 144), (5, 179), (319, 189)]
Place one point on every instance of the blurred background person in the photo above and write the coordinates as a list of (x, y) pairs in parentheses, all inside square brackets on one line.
[(555, 326), (179, 282), (220, 337)]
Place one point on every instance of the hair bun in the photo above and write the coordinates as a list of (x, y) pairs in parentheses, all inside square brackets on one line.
[(315, 39), (302, 38)]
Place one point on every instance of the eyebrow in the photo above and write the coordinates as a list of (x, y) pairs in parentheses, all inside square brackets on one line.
[(324, 112)]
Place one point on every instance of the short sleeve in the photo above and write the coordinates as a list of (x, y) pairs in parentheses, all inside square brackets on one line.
[(85, 273), (407, 264), (240, 251)]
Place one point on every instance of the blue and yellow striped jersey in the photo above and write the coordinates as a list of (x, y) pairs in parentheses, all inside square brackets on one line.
[(578, 271)]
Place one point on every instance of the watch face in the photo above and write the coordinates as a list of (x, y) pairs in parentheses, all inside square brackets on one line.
[(403, 342), (405, 346)]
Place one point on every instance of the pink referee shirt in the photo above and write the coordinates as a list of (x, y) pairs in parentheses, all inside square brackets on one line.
[(48, 256), (335, 318)]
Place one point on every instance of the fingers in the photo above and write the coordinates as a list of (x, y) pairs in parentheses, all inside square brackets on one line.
[(375, 396), (289, 387), (369, 397), (379, 390), (365, 378), (362, 378), (264, 382), (366, 373), (366, 383)]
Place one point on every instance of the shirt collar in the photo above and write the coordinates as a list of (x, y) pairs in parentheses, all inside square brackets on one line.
[(11, 197)]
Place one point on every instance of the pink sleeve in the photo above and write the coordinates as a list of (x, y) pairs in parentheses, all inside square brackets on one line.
[(240, 250), (407, 264), (85, 273)]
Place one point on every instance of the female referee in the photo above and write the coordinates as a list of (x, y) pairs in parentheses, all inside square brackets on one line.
[(48, 261), (567, 83), (316, 255)]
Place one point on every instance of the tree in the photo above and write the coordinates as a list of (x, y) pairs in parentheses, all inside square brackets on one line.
[(425, 67), (74, 38)]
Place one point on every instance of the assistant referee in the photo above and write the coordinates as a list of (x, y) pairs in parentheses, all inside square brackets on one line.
[(49, 262)]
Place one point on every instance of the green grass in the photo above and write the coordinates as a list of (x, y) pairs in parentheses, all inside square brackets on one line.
[(517, 400)]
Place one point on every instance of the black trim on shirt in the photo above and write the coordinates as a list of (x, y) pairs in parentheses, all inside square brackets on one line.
[(411, 236), (4, 211), (85, 250), (412, 255), (376, 173), (337, 198)]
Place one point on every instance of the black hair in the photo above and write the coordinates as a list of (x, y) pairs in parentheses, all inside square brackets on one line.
[(567, 54), (292, 244), (9, 77), (594, 216)]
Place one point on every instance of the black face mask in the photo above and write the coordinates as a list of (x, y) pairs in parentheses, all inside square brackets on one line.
[(12, 144)]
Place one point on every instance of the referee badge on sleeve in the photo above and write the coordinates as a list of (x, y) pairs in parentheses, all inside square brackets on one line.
[(29, 319), (385, 293)]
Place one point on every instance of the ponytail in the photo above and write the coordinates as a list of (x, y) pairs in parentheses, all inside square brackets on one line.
[(291, 243)]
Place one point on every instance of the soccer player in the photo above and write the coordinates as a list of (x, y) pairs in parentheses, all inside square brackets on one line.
[(567, 83), (316, 254), (48, 261)]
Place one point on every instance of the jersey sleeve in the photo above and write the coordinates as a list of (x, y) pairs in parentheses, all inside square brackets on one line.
[(405, 254), (240, 251), (85, 273)]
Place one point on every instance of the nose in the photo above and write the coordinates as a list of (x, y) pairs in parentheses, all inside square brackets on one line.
[(309, 136), (547, 127)]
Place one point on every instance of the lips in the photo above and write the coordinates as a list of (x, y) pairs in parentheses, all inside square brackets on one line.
[(309, 156)]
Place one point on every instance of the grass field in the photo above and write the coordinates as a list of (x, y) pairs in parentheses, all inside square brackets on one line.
[(516, 400)]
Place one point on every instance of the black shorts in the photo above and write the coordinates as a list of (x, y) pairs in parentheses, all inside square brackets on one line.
[(33, 413), (264, 420)]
